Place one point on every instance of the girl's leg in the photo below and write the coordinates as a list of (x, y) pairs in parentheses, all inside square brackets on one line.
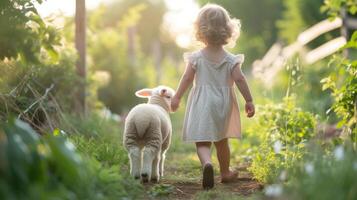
[(223, 155), (204, 152)]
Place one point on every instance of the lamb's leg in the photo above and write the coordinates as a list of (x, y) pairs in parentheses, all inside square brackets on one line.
[(151, 150), (149, 154), (162, 160), (165, 146), (155, 176), (134, 151), (135, 161)]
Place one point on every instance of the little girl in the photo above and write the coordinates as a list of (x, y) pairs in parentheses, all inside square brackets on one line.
[(212, 113)]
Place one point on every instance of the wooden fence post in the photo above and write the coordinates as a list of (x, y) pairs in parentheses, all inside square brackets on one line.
[(80, 41), (344, 29)]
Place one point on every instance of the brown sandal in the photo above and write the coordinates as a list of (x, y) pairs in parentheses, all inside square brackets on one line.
[(208, 177)]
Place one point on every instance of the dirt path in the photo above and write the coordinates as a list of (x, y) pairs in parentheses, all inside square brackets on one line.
[(183, 181), (188, 190)]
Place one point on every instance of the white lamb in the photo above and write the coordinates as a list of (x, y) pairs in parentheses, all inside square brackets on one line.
[(147, 133)]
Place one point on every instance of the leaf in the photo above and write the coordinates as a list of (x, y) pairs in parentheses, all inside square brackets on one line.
[(56, 132), (353, 10), (53, 54), (36, 18), (67, 161), (354, 36), (16, 126)]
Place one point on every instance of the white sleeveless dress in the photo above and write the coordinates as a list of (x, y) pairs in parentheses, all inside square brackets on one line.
[(212, 111)]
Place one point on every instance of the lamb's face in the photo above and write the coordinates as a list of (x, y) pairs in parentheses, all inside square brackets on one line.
[(163, 92)]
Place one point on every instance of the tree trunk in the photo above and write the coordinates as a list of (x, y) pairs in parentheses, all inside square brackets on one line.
[(80, 37)]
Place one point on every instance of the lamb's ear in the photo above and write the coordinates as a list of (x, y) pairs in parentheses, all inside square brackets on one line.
[(144, 93)]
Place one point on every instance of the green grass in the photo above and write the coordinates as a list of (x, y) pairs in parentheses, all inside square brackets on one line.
[(100, 142), (224, 195)]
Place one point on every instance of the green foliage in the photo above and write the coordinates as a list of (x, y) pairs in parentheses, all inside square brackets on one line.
[(116, 48), (48, 167), (322, 174), (223, 195), (23, 32), (343, 84), (304, 82), (311, 97), (298, 16), (100, 141), (161, 190), (98, 138), (108, 16), (283, 129), (31, 164), (38, 92), (333, 7)]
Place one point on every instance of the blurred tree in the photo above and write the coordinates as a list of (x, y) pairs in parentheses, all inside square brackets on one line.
[(125, 40), (148, 27), (299, 15), (114, 50), (23, 33), (37, 73), (80, 42)]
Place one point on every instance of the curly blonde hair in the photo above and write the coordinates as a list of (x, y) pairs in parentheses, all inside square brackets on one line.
[(214, 26)]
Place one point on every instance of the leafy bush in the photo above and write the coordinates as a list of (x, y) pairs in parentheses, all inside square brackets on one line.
[(343, 84), (38, 93), (333, 8), (23, 32), (321, 174), (283, 130), (98, 138), (49, 167), (35, 167)]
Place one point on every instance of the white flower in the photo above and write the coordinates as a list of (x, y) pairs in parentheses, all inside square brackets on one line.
[(277, 146), (309, 168), (339, 153), (63, 132), (274, 190), (69, 145), (249, 150), (283, 175)]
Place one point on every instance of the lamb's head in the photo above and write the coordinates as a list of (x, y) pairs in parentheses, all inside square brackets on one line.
[(160, 95)]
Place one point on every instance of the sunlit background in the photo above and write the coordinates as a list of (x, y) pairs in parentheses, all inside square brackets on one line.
[(66, 90), (145, 40), (177, 20)]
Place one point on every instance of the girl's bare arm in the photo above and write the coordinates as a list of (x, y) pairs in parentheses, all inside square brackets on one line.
[(241, 83), (186, 81)]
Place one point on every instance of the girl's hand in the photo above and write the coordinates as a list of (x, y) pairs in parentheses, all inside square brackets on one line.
[(249, 109), (175, 102)]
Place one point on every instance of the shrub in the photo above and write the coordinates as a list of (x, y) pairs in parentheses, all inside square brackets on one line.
[(343, 84), (38, 93), (283, 130), (34, 167), (321, 174), (24, 34), (49, 167)]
